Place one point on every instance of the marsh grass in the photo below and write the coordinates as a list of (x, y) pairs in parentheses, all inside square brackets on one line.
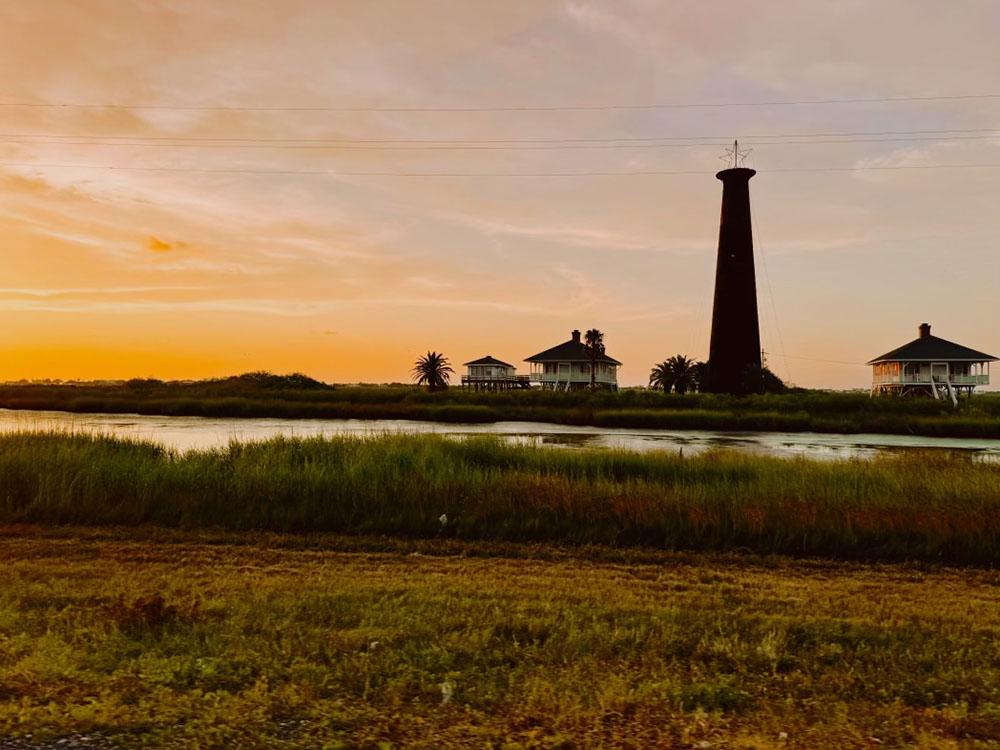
[(262, 395), (909, 506)]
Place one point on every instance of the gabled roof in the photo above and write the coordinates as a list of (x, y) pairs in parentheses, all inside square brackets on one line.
[(487, 360), (570, 351), (928, 348)]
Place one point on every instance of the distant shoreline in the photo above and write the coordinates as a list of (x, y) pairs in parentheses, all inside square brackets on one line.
[(797, 411)]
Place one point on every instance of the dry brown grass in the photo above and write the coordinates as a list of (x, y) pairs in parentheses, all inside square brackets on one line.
[(347, 642)]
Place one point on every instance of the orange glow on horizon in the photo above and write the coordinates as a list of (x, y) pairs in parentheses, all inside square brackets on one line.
[(223, 257)]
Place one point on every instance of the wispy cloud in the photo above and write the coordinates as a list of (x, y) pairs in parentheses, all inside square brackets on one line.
[(283, 308), (78, 291), (577, 235), (161, 246), (277, 307)]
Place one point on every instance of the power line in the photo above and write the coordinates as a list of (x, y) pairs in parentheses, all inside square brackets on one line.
[(338, 173), (981, 165), (828, 361), (755, 228), (222, 144), (522, 108), (725, 139)]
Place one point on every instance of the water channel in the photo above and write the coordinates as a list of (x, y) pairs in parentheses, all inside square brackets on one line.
[(188, 433)]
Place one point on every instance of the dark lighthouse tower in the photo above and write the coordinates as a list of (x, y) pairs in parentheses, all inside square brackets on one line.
[(735, 344)]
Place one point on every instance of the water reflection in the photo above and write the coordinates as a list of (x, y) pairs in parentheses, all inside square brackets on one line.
[(187, 433), (565, 441)]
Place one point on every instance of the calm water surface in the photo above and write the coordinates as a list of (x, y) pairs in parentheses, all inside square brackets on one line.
[(187, 433)]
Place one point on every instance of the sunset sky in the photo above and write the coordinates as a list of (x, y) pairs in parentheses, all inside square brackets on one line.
[(233, 236)]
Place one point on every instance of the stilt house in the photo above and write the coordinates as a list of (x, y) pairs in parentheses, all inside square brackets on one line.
[(567, 366), (930, 366), (491, 374)]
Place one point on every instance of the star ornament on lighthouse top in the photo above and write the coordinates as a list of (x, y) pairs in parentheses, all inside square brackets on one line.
[(735, 157)]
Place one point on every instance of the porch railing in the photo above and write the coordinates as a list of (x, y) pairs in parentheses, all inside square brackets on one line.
[(472, 379), (926, 379), (570, 377)]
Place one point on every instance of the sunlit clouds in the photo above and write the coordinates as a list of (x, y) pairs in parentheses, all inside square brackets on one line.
[(212, 240)]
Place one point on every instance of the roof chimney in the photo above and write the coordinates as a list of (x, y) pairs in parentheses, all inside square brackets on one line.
[(925, 330), (576, 336)]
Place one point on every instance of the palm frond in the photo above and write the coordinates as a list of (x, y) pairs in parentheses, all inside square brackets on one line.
[(433, 370)]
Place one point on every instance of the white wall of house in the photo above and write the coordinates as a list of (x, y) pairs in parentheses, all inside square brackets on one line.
[(919, 373), (489, 371), (573, 372)]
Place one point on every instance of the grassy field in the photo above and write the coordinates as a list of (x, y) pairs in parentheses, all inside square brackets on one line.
[(912, 506), (145, 638), (421, 592), (262, 395)]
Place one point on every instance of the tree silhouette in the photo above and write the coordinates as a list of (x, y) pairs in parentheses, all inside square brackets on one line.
[(660, 377), (683, 370), (762, 380), (433, 370), (678, 373), (594, 340)]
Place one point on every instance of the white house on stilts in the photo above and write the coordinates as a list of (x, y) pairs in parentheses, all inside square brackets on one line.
[(491, 374), (930, 366), (567, 367)]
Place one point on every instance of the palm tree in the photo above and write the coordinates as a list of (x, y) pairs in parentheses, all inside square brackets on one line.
[(595, 348), (660, 377), (678, 373), (433, 370), (684, 372)]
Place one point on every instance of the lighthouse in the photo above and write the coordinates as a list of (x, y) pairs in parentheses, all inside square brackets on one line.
[(735, 343)]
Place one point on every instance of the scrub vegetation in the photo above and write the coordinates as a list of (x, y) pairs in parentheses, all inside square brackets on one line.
[(146, 638), (297, 396), (909, 506)]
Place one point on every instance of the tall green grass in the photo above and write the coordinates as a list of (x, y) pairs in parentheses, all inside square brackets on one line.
[(911, 506)]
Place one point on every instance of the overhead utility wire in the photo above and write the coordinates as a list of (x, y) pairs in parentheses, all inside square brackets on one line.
[(726, 139), (451, 147), (338, 173), (755, 229), (830, 361), (553, 108)]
